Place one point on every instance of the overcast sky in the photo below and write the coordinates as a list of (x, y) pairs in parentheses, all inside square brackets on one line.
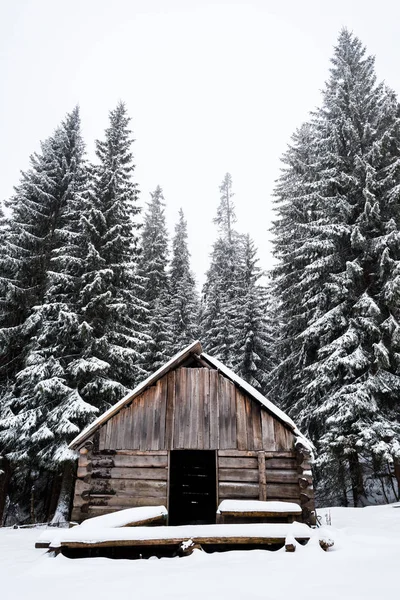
[(211, 87)]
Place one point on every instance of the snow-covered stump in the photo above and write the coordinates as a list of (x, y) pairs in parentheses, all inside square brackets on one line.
[(307, 497), (326, 543)]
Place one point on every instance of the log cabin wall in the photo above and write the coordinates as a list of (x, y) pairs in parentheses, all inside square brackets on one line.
[(125, 463), (258, 475)]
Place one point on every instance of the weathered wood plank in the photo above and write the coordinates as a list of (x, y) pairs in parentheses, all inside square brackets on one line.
[(102, 437), (163, 411), (202, 540), (138, 424), (232, 430), (138, 473), (284, 438), (200, 408), (238, 453), (249, 421), (155, 410), (187, 407), (150, 400), (205, 375), (241, 421), (136, 452), (238, 490), (122, 460), (133, 417), (120, 502), (281, 463), (282, 491), (123, 487), (108, 434), (230, 462), (256, 418), (127, 432), (169, 425), (222, 412), (179, 434), (281, 476), (238, 475), (193, 416), (214, 410), (262, 481), (268, 431)]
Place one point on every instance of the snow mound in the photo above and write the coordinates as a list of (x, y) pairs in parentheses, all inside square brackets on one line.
[(257, 506), (122, 518)]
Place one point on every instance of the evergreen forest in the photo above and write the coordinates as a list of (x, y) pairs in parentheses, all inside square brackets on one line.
[(95, 294)]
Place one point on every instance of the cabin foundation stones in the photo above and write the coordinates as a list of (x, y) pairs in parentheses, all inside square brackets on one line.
[(189, 437)]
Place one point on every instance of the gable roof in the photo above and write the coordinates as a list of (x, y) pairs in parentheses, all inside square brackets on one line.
[(196, 350)]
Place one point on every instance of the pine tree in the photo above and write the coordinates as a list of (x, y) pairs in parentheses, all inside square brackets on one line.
[(184, 307), (345, 366), (42, 409), (152, 271), (253, 339), (294, 249), (111, 307), (222, 282)]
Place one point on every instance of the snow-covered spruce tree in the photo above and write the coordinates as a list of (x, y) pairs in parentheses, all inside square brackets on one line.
[(252, 358), (184, 302), (152, 271), (42, 407), (222, 282), (111, 329), (347, 372), (295, 207)]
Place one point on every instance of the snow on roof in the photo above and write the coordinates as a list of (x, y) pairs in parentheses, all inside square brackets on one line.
[(194, 348)]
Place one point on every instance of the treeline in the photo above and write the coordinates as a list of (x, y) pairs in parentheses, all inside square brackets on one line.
[(92, 301), (337, 282)]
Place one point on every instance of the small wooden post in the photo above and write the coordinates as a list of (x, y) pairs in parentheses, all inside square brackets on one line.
[(262, 479)]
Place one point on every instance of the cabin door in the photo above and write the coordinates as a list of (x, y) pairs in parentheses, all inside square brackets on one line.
[(192, 487)]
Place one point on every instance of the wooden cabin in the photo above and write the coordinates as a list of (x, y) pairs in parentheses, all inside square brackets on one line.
[(191, 435)]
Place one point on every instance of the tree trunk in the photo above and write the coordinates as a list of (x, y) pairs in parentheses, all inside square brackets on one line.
[(357, 483), (53, 494), (396, 474), (342, 483), (5, 474), (64, 500)]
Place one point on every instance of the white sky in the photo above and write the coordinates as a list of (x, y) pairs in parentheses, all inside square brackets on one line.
[(210, 86)]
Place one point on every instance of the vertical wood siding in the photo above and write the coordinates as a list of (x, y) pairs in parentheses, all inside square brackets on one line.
[(194, 409)]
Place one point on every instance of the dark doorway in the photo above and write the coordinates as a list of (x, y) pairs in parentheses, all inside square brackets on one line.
[(192, 487)]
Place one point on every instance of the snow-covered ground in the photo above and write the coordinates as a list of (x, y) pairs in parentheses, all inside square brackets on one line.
[(363, 565)]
